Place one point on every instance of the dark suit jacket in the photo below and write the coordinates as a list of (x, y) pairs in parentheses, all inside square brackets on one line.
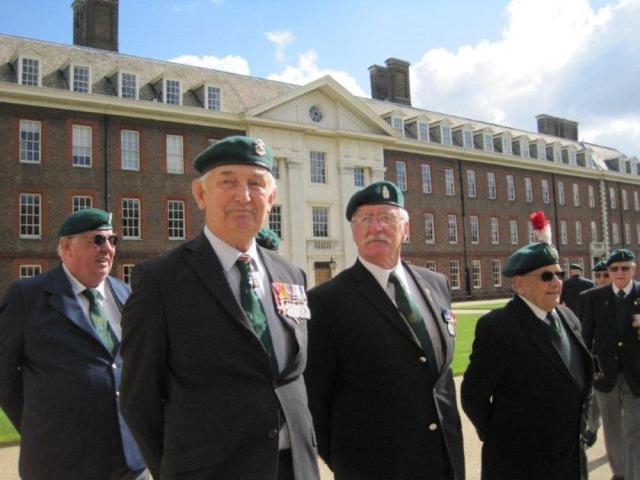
[(523, 400), (378, 412), (58, 383), (598, 317), (571, 289), (197, 387)]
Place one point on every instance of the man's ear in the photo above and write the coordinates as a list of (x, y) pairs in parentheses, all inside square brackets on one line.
[(198, 191)]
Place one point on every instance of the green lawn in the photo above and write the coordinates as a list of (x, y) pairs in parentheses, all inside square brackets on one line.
[(8, 434), (481, 305), (465, 329)]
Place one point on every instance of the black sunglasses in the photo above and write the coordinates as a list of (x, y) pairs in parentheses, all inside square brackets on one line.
[(623, 268), (99, 240), (548, 276), (602, 274)]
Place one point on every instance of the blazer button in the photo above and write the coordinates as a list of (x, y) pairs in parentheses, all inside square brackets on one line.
[(117, 393), (619, 344), (114, 366), (422, 359), (273, 433), (433, 427)]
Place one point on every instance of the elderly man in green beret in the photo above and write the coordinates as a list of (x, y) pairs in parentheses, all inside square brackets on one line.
[(60, 361), (528, 383), (215, 337), (381, 343), (611, 318)]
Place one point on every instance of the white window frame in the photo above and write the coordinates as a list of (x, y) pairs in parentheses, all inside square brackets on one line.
[(358, 177), (528, 190), (476, 274), (81, 146), (594, 231), (544, 185), (401, 175), (318, 167), (76, 84), (578, 232), (131, 215), (425, 171), (511, 189), (496, 272), (25, 77), (81, 202), (30, 215), (423, 131), (627, 233), (429, 228), (513, 231), (30, 138), (431, 265), (449, 183), (213, 99), (495, 230), (176, 219), (127, 273), (561, 197), (130, 150), (564, 235), (612, 198), (467, 138), (452, 228), (320, 222), (446, 136), (576, 195), (275, 220), (454, 274), (125, 90), (175, 154), (398, 125), (615, 233), (636, 201), (491, 186), (592, 197), (474, 224), (30, 270), (487, 141), (471, 183), (168, 94), (625, 200)]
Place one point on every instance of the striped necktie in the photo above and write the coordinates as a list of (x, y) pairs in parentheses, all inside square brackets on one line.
[(100, 321)]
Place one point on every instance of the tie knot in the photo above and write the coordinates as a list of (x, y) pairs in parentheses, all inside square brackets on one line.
[(244, 263), (91, 294), (395, 280), (621, 294)]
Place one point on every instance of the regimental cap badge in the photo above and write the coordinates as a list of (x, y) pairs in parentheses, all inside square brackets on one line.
[(259, 147), (385, 192), (110, 217)]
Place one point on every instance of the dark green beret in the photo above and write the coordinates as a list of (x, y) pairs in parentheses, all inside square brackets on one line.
[(601, 266), (529, 258), (84, 221), (268, 239), (620, 255), (575, 266), (236, 150), (375, 194)]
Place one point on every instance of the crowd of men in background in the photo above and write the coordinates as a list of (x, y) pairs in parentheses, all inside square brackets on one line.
[(216, 366)]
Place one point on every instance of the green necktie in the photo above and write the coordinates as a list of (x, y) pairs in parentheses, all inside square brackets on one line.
[(411, 314), (100, 321), (554, 323), (253, 308)]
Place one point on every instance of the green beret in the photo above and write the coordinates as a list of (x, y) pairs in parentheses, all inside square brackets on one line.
[(236, 150), (84, 221), (575, 266), (529, 258), (620, 255), (375, 194), (600, 267), (268, 239)]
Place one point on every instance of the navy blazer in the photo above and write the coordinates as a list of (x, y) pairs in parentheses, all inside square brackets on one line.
[(379, 411), (59, 383), (198, 390), (526, 405), (600, 334)]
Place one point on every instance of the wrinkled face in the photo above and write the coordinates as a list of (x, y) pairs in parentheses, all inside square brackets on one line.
[(621, 273), (602, 278), (88, 262), (543, 294), (378, 231), (236, 200)]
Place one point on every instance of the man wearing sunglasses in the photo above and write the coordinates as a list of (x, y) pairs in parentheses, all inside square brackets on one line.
[(612, 330), (60, 361), (527, 386), (572, 286)]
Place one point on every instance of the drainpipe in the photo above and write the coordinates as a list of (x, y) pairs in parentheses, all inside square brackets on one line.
[(465, 253)]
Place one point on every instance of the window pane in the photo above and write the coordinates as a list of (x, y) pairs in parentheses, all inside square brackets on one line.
[(320, 219), (81, 79), (172, 95), (130, 218), (81, 149), (401, 175), (81, 202), (29, 141), (175, 154), (213, 98), (30, 215), (318, 167), (129, 85), (30, 72), (175, 216), (275, 220), (130, 149)]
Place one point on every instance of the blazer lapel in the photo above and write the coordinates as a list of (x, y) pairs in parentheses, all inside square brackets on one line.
[(65, 302), (276, 273), (371, 291), (436, 308), (120, 293), (204, 262), (539, 337)]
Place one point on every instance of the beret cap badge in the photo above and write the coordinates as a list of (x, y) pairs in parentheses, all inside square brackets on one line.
[(259, 147)]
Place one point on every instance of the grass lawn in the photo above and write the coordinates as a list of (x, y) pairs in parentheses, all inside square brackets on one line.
[(481, 305), (465, 330), (8, 434)]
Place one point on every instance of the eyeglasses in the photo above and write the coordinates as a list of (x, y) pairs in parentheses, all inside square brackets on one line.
[(548, 276), (99, 240), (623, 268), (382, 218), (602, 274)]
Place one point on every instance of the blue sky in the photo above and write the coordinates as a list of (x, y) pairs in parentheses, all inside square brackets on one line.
[(496, 61)]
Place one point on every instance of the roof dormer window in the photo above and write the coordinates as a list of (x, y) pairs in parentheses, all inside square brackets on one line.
[(214, 98), (440, 132), (172, 92), (79, 78), (29, 72), (397, 124), (467, 136), (423, 131), (463, 136), (520, 146), (128, 85), (483, 140)]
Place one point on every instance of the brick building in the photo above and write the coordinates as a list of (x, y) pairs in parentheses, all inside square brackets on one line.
[(84, 125)]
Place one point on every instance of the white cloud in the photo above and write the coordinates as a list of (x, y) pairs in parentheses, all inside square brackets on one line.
[(281, 39), (230, 63), (307, 70), (554, 56)]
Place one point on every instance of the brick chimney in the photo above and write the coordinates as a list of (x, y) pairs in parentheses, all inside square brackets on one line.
[(391, 83), (95, 24), (558, 127)]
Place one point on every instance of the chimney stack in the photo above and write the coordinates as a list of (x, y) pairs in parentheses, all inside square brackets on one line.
[(391, 83), (95, 24), (558, 127)]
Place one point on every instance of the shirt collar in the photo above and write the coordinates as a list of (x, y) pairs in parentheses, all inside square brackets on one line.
[(227, 254), (537, 311), (627, 289), (77, 287), (382, 274)]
